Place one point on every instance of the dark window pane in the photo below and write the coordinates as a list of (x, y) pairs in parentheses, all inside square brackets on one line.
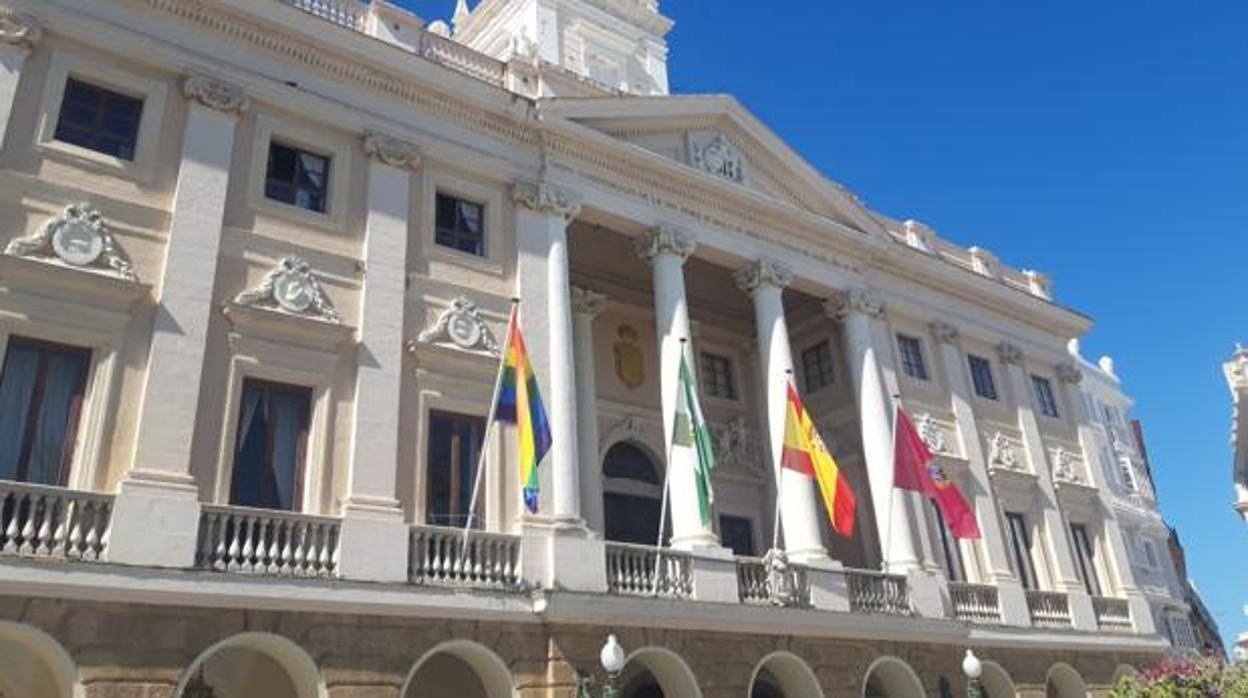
[(1046, 401), (912, 357), (817, 370), (632, 517), (1020, 549), (271, 445), (737, 534), (99, 119), (41, 391), (717, 378), (459, 224), (455, 443), (297, 177), (981, 377)]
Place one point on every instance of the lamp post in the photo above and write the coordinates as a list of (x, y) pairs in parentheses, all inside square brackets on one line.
[(973, 668), (612, 659)]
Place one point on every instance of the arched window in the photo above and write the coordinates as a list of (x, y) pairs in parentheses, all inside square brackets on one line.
[(632, 495)]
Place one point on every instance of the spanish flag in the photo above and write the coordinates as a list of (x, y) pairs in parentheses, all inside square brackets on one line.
[(520, 403), (805, 453)]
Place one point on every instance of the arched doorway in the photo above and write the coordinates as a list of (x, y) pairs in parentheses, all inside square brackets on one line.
[(654, 672), (461, 668), (784, 675), (253, 664), (1064, 682), (997, 682), (632, 494), (34, 665), (889, 677)]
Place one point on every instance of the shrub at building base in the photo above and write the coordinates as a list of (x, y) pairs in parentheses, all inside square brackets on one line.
[(1196, 678)]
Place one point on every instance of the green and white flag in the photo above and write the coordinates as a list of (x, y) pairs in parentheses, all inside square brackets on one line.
[(690, 432)]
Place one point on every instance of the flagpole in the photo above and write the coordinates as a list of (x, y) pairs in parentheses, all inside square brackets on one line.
[(667, 482), (779, 470), (892, 491), (489, 426)]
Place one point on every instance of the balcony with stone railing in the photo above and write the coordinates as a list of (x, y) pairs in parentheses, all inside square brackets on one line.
[(975, 603), (1112, 615), (267, 542), (41, 521), (638, 570), (877, 592), (768, 585), (446, 557), (1049, 609)]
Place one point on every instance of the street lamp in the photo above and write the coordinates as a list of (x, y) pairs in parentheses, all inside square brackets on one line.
[(612, 659), (973, 668)]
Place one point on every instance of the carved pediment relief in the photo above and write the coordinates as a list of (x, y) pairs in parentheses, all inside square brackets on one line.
[(720, 158), (462, 327), (291, 287), (737, 447), (79, 238)]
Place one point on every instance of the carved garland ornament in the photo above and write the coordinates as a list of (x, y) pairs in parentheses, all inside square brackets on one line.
[(547, 198), (461, 325), (78, 238), (391, 151), (291, 287), (215, 94), (18, 30)]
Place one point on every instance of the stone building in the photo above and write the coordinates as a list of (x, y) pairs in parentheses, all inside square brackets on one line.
[(259, 258), (1236, 371)]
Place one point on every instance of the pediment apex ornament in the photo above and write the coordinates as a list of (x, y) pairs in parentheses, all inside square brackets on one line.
[(291, 287), (931, 433), (1069, 373), (665, 239), (763, 273), (215, 93), (78, 237), (547, 198), (1002, 452), (19, 30), (944, 332), (391, 151), (858, 300), (462, 326), (1010, 354), (720, 158)]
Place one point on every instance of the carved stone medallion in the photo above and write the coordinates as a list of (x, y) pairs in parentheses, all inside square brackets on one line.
[(721, 159), (79, 238), (630, 360), (462, 326), (291, 287)]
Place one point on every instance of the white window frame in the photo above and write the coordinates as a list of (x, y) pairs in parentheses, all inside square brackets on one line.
[(318, 141)]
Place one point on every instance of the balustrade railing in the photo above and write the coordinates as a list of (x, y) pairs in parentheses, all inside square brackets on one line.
[(876, 592), (759, 585), (1049, 609), (260, 541), (975, 603), (1112, 614), (53, 522), (352, 14), (440, 557), (456, 56), (638, 570)]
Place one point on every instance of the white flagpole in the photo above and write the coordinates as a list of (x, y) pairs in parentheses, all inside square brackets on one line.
[(779, 469), (489, 427), (667, 482)]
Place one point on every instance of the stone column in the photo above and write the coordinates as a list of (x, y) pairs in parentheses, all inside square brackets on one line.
[(994, 547), (156, 517), (587, 305), (666, 248), (765, 281), (866, 338), (373, 530), (18, 36)]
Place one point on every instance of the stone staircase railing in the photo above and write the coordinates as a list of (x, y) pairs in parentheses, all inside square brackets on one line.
[(439, 557), (260, 541), (1112, 614), (877, 592), (975, 603), (638, 570), (53, 522), (1049, 609)]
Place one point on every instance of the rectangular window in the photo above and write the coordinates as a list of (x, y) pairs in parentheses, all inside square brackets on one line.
[(954, 566), (912, 356), (737, 534), (1086, 559), (455, 442), (717, 377), (1046, 401), (297, 177), (817, 371), (41, 392), (271, 445), (99, 119), (1150, 554), (460, 225), (1020, 550), (981, 377)]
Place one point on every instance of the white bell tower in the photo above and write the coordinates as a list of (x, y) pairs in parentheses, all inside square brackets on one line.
[(618, 44)]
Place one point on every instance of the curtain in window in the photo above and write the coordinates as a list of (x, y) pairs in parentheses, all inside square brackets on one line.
[(60, 396), (289, 414), (16, 387)]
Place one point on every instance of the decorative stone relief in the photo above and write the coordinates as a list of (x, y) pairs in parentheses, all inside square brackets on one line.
[(918, 236), (461, 326), (720, 158), (1040, 285), (391, 151), (78, 238), (629, 427), (1002, 452), (630, 359), (857, 300), (944, 332), (547, 198), (215, 94), (985, 263), (587, 302), (736, 444), (664, 239), (1010, 354), (18, 29), (931, 433), (1063, 466), (291, 287), (1069, 373), (765, 272), (781, 589)]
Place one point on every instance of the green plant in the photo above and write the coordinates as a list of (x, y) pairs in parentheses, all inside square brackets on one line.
[(1206, 677)]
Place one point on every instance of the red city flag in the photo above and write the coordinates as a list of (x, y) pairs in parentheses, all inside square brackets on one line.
[(915, 469)]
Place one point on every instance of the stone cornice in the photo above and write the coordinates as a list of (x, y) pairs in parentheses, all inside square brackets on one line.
[(545, 197), (765, 273), (391, 151), (18, 29), (215, 94), (664, 239), (855, 301)]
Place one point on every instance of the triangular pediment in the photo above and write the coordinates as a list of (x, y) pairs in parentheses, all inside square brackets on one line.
[(720, 138)]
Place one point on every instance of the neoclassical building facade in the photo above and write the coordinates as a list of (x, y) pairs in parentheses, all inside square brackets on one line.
[(259, 258)]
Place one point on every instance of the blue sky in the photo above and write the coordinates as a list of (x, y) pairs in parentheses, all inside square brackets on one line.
[(1105, 143)]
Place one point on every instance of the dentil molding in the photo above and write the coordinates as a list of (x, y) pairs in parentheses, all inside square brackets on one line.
[(391, 151), (291, 287), (78, 237), (665, 239), (544, 197), (215, 94), (18, 29), (763, 273)]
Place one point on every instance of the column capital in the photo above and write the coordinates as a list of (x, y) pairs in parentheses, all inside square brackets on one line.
[(765, 272), (1069, 373), (547, 198), (944, 332), (855, 301), (1010, 354), (391, 151), (215, 94), (665, 239), (18, 29), (587, 302)]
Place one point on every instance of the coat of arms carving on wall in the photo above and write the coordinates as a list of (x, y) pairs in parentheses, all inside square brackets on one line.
[(630, 361)]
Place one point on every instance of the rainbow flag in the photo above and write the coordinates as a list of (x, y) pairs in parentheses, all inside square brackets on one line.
[(520, 403)]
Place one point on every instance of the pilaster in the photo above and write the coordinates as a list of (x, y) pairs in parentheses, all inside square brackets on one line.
[(18, 36)]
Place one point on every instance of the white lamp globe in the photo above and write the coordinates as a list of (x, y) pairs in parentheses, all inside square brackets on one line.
[(971, 666), (612, 656)]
